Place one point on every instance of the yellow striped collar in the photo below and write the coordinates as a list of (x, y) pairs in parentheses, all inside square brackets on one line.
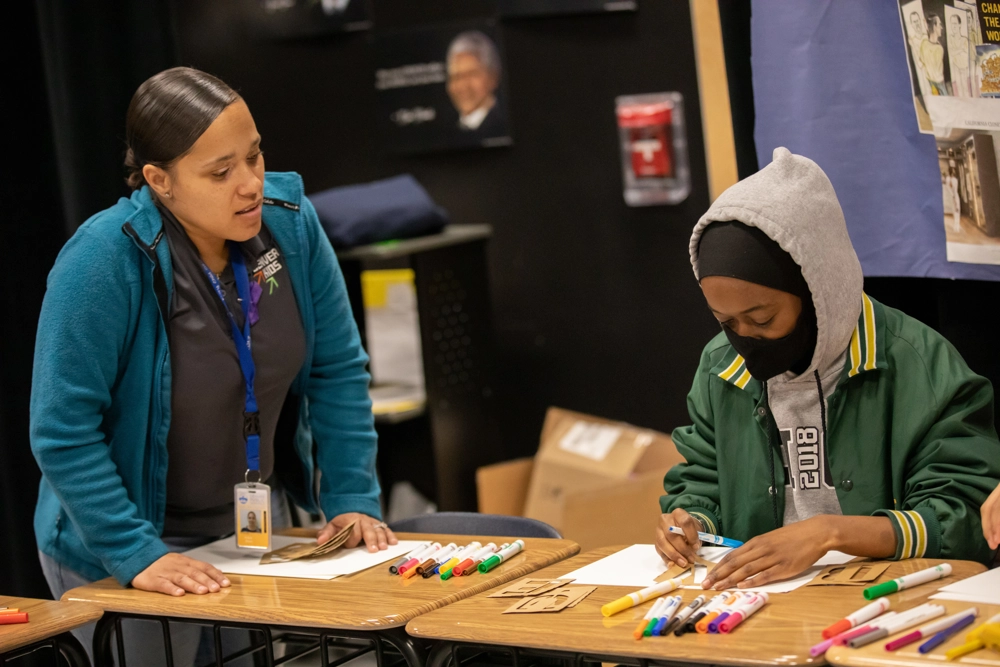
[(866, 351)]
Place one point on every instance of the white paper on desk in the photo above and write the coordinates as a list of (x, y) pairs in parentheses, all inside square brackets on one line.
[(225, 556), (983, 588), (639, 565)]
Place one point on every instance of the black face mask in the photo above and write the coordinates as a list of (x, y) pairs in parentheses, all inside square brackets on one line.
[(766, 358)]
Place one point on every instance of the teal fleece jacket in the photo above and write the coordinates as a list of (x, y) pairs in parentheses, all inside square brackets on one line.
[(100, 396)]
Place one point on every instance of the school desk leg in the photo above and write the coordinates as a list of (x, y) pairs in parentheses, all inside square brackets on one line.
[(440, 655), (412, 652), (102, 640), (71, 650)]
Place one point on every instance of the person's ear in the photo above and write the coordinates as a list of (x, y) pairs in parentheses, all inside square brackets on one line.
[(159, 180)]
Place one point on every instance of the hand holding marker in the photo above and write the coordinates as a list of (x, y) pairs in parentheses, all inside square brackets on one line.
[(709, 538)]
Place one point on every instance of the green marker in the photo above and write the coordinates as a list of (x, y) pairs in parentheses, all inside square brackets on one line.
[(489, 563), (445, 576), (648, 632), (908, 581)]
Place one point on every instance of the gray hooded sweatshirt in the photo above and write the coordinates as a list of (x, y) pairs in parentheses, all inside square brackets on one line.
[(793, 202)]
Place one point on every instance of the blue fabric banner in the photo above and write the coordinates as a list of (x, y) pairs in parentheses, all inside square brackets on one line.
[(831, 82)]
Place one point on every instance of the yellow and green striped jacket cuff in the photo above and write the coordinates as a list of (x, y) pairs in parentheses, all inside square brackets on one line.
[(707, 519), (917, 532)]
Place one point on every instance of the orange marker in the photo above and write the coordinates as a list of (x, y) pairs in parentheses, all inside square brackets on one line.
[(702, 625), (11, 619)]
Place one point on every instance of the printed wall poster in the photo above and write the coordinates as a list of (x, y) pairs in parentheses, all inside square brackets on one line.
[(549, 7), (970, 189), (310, 18), (441, 87), (953, 49)]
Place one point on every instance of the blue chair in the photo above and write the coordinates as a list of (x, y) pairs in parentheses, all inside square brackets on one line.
[(473, 523)]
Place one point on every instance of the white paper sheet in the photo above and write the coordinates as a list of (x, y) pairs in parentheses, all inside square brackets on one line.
[(983, 589), (225, 556), (639, 565)]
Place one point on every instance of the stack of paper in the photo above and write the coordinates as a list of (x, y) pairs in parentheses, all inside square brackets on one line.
[(639, 565), (982, 589), (227, 557)]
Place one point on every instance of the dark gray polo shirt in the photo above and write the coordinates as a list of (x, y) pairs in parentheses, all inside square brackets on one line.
[(206, 448)]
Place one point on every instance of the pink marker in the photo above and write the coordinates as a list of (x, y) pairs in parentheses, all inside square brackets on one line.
[(747, 609)]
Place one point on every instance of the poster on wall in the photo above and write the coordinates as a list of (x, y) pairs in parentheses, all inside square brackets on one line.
[(441, 87), (511, 8), (953, 49), (285, 19), (970, 190)]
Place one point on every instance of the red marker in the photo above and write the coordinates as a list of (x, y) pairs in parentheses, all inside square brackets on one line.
[(408, 565), (11, 619), (743, 612), (861, 616)]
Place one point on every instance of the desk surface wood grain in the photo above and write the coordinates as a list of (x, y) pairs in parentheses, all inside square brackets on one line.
[(46, 618), (875, 655), (368, 600), (779, 634)]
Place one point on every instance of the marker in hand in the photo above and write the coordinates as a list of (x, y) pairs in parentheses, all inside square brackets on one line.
[(709, 538)]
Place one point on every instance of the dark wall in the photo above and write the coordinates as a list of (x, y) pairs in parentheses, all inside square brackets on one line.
[(595, 305)]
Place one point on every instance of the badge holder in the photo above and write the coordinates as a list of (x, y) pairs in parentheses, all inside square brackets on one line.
[(253, 514)]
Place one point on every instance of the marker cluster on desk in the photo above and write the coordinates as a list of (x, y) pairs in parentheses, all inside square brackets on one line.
[(874, 621), (721, 615), (452, 560)]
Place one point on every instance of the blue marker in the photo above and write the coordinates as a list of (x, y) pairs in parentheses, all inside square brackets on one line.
[(709, 538), (945, 634)]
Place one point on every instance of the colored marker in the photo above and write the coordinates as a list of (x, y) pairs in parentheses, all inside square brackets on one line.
[(945, 635), (684, 613), (665, 611), (930, 629), (640, 630), (470, 561), (501, 556), (709, 538), (666, 616), (743, 612), (394, 568), (440, 557), (419, 552), (973, 641), (727, 611), (692, 622), (844, 637), (9, 610), (13, 619), (637, 598), (447, 570), (908, 581), (702, 625), (408, 565), (861, 616), (899, 623)]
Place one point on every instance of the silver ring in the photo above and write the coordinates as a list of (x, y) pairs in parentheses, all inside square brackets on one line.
[(382, 524)]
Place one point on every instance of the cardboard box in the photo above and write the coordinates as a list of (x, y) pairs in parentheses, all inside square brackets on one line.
[(598, 482)]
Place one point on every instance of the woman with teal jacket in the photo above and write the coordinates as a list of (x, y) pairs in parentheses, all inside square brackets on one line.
[(141, 413)]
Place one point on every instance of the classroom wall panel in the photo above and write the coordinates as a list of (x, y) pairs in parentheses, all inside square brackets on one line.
[(595, 304)]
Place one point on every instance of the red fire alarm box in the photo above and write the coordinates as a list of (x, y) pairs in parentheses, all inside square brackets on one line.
[(654, 149)]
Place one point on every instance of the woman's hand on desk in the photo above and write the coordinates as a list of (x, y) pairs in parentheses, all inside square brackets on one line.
[(674, 548), (773, 556), (176, 574), (373, 532), (790, 550)]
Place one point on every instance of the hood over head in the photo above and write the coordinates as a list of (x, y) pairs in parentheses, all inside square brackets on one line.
[(793, 202)]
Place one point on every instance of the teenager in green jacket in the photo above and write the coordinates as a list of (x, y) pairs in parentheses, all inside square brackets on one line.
[(822, 420)]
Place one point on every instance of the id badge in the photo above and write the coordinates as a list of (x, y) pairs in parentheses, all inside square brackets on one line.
[(253, 515)]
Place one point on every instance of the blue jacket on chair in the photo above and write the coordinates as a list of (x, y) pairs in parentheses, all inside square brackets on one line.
[(100, 396)]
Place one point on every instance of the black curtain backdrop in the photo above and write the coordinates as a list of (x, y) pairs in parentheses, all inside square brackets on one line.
[(596, 307)]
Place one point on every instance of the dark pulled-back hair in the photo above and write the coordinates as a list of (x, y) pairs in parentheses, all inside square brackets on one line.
[(167, 114)]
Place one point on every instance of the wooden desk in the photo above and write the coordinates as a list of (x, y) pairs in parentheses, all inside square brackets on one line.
[(875, 655), (780, 634), (47, 620), (372, 600)]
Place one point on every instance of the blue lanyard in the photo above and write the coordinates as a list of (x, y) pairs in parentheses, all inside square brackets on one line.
[(251, 416)]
